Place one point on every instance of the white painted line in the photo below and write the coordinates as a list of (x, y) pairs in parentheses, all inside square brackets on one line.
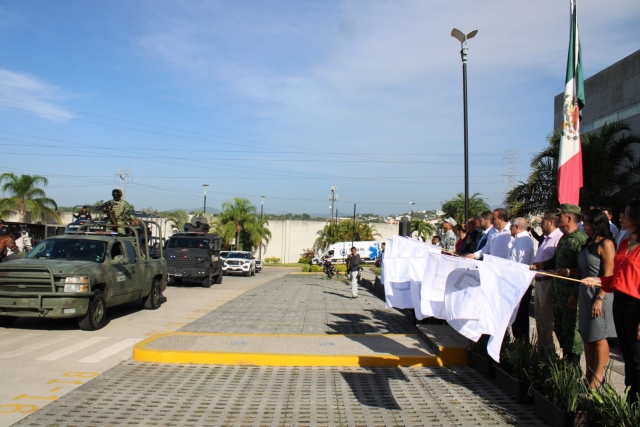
[(72, 349), (31, 347), (9, 341), (110, 351)]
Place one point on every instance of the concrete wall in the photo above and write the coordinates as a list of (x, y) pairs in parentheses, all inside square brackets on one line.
[(290, 238), (612, 89)]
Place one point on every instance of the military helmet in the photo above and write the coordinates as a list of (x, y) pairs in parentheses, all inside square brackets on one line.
[(117, 191)]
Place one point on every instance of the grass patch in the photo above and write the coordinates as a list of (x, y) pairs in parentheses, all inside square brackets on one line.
[(285, 264)]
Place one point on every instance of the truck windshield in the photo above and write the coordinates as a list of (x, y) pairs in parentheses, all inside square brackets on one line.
[(70, 249), (186, 242)]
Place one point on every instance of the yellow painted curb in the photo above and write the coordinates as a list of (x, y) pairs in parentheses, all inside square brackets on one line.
[(448, 357)]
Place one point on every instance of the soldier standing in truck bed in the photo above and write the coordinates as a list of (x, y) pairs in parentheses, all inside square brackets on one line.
[(122, 210)]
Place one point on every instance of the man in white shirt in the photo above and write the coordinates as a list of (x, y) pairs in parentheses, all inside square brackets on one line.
[(612, 227), (543, 306), (624, 233), (522, 251), (498, 238)]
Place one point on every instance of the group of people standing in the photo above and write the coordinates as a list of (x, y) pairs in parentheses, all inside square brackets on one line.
[(595, 294)]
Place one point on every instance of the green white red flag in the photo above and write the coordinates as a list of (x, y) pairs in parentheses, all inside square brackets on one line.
[(570, 158)]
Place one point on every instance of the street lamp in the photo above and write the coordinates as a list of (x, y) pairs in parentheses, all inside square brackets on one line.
[(205, 187), (411, 216), (462, 38), (261, 210)]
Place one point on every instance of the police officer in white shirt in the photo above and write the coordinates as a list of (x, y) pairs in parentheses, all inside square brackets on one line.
[(522, 251)]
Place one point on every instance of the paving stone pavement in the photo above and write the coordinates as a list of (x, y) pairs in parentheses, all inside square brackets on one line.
[(304, 304), (140, 394), (148, 394)]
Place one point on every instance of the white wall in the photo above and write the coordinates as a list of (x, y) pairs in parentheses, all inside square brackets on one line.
[(290, 238)]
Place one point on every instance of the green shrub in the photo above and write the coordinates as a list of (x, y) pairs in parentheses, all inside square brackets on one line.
[(306, 268), (341, 268), (565, 385), (315, 269), (605, 407), (376, 270), (272, 260), (521, 360), (304, 260)]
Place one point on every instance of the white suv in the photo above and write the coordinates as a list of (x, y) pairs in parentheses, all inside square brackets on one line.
[(239, 262)]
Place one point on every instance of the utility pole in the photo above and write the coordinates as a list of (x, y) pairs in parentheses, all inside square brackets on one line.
[(333, 197), (261, 210), (353, 226)]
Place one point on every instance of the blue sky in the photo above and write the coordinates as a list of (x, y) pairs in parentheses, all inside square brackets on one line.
[(287, 98)]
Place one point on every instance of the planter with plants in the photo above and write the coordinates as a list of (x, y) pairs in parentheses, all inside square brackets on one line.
[(479, 359), (558, 398), (518, 369), (605, 407)]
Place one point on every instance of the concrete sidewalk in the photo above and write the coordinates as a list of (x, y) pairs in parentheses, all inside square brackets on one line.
[(293, 316)]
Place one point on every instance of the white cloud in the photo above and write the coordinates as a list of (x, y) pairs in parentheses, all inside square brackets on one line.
[(29, 95)]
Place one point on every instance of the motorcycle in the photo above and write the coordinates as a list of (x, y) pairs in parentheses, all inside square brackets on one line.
[(328, 268)]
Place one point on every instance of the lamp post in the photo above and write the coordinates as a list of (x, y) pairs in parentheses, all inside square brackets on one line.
[(411, 215), (205, 187), (261, 211), (462, 38)]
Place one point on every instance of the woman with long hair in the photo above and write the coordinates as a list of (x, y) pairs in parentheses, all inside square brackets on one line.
[(595, 307), (624, 282)]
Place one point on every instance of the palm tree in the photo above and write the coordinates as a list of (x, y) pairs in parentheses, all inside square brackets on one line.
[(424, 229), (239, 219), (454, 208), (611, 172), (27, 198), (179, 219)]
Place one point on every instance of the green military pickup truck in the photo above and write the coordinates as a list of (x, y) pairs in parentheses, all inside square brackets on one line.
[(81, 275)]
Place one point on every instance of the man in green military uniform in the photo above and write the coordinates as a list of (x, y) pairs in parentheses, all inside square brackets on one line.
[(565, 292), (122, 211)]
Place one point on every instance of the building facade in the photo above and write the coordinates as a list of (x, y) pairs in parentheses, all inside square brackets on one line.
[(610, 95)]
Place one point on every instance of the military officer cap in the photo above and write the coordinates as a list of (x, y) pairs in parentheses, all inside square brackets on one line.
[(569, 208), (451, 221)]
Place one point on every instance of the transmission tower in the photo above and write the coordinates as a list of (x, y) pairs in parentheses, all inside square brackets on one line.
[(512, 173), (122, 179)]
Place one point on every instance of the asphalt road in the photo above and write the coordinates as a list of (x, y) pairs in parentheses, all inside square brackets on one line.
[(42, 360)]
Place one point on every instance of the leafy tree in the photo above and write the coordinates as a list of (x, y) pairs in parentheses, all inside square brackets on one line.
[(424, 229), (26, 198), (344, 231), (611, 172), (239, 220), (454, 208), (179, 218)]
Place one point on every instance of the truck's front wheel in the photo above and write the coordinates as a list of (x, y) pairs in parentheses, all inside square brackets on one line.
[(96, 314), (208, 281)]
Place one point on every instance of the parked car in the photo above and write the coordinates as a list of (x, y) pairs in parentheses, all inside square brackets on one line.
[(223, 254), (258, 266), (239, 262)]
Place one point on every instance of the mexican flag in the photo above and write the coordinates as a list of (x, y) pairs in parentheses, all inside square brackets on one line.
[(570, 159)]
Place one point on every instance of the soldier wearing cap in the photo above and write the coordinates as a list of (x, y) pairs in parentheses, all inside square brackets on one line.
[(449, 237), (565, 292), (122, 210)]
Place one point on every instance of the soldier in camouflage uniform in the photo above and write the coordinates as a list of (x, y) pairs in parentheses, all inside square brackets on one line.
[(122, 210), (564, 292), (449, 238)]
